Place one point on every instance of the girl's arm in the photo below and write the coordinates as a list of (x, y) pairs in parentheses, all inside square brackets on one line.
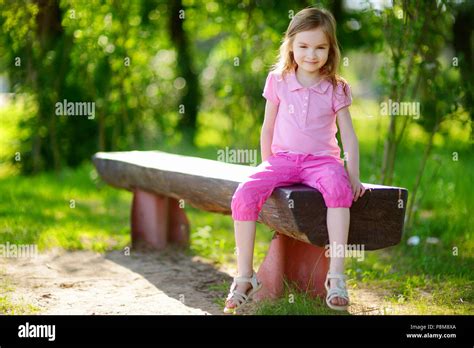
[(266, 135), (350, 145)]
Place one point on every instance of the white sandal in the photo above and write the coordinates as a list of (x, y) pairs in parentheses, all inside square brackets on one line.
[(338, 291), (240, 298)]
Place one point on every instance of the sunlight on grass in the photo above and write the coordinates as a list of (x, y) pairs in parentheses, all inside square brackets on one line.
[(69, 211), (212, 236), (294, 302), (9, 306)]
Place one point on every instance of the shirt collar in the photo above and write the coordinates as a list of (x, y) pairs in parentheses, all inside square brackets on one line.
[(320, 87)]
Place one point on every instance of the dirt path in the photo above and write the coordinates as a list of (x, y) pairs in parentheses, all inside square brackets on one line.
[(84, 282), (171, 282)]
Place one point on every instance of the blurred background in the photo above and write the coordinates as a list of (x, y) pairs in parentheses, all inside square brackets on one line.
[(187, 76)]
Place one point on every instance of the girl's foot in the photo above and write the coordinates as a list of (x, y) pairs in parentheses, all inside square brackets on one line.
[(337, 297), (241, 291), (338, 301), (242, 288)]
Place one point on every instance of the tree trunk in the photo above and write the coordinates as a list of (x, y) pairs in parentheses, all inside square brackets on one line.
[(192, 96)]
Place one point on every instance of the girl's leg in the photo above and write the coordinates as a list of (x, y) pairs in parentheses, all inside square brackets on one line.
[(245, 241), (330, 178), (338, 229), (247, 202)]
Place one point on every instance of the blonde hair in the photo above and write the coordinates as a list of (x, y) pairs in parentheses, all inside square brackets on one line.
[(309, 19)]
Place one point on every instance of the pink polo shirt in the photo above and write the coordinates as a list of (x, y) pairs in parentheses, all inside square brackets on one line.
[(306, 118)]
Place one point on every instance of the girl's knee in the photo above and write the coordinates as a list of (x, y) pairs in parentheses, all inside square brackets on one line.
[(244, 206), (338, 195)]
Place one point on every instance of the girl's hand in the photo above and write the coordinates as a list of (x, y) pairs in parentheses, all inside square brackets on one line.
[(358, 189)]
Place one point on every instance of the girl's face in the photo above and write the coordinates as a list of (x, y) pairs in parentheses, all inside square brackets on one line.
[(311, 49)]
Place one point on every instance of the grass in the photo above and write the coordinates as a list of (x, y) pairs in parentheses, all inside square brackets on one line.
[(294, 302), (443, 287), (71, 210), (9, 306)]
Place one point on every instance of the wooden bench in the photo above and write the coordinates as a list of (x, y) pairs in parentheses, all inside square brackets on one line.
[(163, 184)]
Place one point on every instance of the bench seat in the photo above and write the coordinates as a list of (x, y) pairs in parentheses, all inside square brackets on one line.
[(377, 218)]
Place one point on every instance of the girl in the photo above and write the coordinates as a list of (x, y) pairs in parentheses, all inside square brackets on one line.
[(298, 144)]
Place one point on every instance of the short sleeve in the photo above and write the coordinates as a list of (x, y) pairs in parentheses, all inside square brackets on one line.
[(342, 97), (270, 89)]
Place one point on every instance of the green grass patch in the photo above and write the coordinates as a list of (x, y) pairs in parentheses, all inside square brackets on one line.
[(72, 210), (7, 305), (295, 302)]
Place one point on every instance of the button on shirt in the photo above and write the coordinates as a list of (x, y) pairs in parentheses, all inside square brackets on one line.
[(306, 118)]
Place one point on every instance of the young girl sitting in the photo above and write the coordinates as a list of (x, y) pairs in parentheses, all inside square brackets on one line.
[(304, 97)]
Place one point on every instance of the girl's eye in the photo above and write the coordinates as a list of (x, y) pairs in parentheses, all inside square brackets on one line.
[(319, 48)]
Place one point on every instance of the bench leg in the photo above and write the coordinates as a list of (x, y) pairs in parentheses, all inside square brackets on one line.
[(157, 221), (178, 232), (300, 263)]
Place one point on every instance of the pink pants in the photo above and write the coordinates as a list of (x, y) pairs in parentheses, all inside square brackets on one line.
[(324, 173)]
